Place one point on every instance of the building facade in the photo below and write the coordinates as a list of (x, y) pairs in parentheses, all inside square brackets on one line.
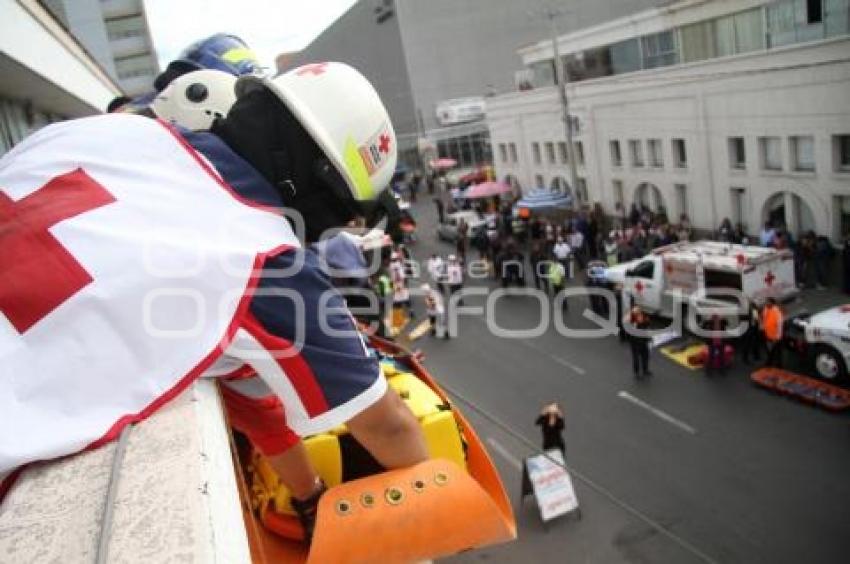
[(715, 109), (117, 35), (422, 56), (47, 75)]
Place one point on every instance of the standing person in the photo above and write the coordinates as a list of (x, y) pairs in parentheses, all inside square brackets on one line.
[(824, 253), (577, 241), (771, 323), (462, 239), (551, 423), (383, 288), (716, 358), (557, 279), (637, 319), (753, 340), (441, 208), (454, 277), (845, 264), (562, 252), (538, 261), (398, 276), (436, 311), (436, 267)]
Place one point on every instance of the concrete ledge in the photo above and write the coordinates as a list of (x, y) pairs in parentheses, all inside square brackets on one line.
[(176, 497)]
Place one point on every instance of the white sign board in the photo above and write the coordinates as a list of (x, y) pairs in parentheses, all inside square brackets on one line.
[(552, 485)]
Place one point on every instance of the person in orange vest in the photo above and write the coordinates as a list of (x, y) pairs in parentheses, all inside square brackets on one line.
[(771, 323)]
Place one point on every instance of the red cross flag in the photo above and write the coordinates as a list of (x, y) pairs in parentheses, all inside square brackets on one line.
[(125, 262)]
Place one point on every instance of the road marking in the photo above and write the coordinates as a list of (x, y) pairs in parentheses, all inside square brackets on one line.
[(563, 362), (657, 412), (605, 492), (497, 446)]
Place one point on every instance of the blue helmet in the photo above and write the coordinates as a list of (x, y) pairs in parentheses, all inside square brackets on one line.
[(221, 52)]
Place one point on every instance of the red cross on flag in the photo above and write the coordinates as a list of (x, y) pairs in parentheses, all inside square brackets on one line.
[(125, 262)]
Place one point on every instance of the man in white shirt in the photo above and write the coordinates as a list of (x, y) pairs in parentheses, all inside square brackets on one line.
[(562, 252), (436, 267), (454, 276)]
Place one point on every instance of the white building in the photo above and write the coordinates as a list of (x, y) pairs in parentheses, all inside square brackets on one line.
[(116, 33), (712, 108), (45, 74)]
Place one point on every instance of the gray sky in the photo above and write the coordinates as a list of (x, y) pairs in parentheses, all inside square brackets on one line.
[(269, 27)]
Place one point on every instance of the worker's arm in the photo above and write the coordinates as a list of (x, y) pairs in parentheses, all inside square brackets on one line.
[(390, 432)]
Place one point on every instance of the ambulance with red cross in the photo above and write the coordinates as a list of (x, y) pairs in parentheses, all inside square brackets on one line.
[(701, 274)]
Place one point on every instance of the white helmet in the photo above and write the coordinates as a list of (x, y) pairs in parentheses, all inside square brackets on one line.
[(195, 99), (344, 115)]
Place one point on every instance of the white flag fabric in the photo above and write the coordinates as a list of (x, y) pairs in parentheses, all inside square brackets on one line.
[(124, 265)]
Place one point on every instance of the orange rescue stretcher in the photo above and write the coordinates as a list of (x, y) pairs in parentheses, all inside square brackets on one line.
[(451, 503), (810, 390)]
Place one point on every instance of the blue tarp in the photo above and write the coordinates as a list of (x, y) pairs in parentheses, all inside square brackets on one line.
[(543, 198)]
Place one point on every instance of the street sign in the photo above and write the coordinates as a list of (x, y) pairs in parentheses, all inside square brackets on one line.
[(550, 483)]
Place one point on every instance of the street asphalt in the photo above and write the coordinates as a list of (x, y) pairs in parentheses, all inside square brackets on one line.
[(676, 468)]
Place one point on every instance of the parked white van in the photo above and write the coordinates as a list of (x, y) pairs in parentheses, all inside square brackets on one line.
[(697, 272)]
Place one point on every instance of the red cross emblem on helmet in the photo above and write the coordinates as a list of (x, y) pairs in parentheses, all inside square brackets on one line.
[(315, 69)]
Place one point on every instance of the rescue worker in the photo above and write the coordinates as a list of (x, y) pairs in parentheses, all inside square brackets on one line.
[(753, 339), (639, 320), (196, 99), (280, 146), (454, 277), (435, 310), (557, 279), (222, 52), (771, 323)]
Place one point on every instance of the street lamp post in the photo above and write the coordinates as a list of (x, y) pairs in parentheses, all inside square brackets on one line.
[(560, 80)]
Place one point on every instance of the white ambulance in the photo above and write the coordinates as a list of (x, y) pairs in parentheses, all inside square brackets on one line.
[(826, 339), (700, 273)]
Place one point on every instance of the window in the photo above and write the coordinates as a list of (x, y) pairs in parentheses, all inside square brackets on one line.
[(562, 152), (836, 17), (748, 28), (579, 149), (656, 159), (616, 155), (550, 152), (803, 153), (841, 152), (698, 41), (619, 195), (625, 56), (512, 149), (538, 181), (535, 152), (659, 50), (503, 152), (136, 65), (737, 155), (737, 195), (814, 12), (129, 26), (681, 191), (771, 153), (637, 152), (644, 269), (781, 28), (680, 154)]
